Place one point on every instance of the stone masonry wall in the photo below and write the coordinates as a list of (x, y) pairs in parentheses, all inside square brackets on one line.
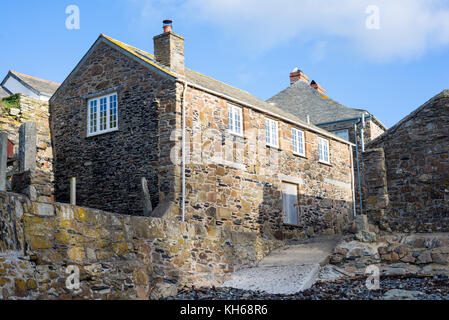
[(244, 195), (372, 130), (374, 181), (29, 110), (237, 181), (118, 256), (417, 169), (109, 167)]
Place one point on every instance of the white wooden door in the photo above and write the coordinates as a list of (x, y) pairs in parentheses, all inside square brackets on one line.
[(289, 200)]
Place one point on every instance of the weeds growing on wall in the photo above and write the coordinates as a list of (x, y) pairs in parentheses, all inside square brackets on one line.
[(10, 102)]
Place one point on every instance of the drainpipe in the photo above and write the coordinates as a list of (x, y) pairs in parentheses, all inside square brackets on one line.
[(183, 150), (362, 133), (351, 151), (358, 166)]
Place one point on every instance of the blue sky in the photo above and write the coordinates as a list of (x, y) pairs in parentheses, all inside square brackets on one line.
[(253, 45)]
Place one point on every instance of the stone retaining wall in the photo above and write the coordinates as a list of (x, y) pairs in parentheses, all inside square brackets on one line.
[(119, 256)]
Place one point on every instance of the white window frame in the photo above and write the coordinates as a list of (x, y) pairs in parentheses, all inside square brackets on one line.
[(235, 115), (298, 142), (346, 131), (98, 100), (272, 132), (322, 151)]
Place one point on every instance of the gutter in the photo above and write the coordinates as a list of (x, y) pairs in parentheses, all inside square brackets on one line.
[(343, 120)]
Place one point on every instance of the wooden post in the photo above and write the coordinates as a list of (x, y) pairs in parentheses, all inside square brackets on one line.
[(73, 191)]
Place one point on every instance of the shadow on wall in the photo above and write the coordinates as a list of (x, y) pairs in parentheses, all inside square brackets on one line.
[(316, 216), (119, 256)]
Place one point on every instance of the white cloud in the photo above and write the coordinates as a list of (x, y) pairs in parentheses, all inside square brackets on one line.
[(408, 28)]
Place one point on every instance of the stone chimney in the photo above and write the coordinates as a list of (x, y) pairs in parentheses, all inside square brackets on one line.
[(169, 49), (317, 87), (298, 75)]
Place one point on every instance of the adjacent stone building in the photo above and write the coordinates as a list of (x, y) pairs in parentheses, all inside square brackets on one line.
[(310, 103), (15, 110), (406, 171), (124, 114), (16, 82)]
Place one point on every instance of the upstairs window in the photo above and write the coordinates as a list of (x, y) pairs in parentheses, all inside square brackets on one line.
[(342, 134), (102, 114), (323, 150), (271, 127), (298, 142), (235, 120)]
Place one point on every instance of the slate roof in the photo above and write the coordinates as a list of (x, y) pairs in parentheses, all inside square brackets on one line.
[(302, 100), (217, 86), (4, 92), (40, 86)]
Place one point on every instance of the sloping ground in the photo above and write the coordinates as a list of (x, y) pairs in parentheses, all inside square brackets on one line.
[(391, 288), (287, 270)]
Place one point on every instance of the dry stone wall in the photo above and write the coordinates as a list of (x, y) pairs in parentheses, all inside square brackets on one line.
[(415, 176), (118, 256)]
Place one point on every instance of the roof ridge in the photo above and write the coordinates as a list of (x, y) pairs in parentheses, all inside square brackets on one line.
[(201, 74), (36, 78)]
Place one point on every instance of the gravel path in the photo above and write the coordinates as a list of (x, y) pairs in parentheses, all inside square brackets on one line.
[(391, 287)]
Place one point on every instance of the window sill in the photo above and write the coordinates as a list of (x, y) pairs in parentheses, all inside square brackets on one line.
[(300, 155), (290, 225), (240, 135), (101, 133), (325, 163), (273, 146)]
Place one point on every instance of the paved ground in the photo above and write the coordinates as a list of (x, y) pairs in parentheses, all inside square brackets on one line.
[(287, 270)]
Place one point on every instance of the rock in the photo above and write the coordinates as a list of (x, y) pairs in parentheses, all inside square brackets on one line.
[(439, 258), (356, 253), (408, 259), (14, 111), (342, 251), (336, 258), (366, 236), (419, 243), (394, 257), (424, 258), (397, 294), (402, 251)]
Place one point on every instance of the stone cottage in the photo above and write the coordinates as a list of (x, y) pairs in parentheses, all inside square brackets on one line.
[(210, 153), (310, 103), (406, 171)]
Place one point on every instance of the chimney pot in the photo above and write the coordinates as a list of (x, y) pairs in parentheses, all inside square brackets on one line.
[(298, 75), (167, 25), (317, 87)]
